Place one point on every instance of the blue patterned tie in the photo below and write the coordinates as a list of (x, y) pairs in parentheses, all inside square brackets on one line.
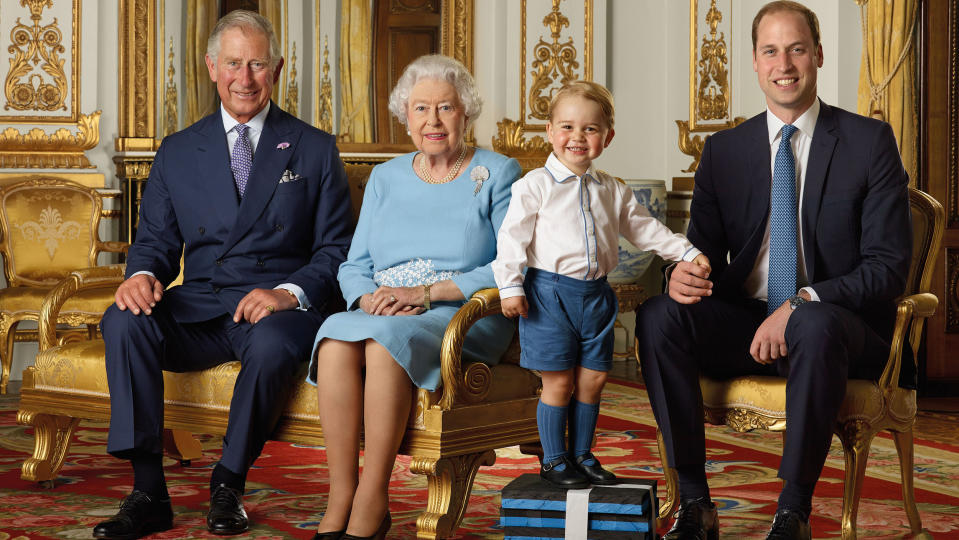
[(782, 225), (241, 160)]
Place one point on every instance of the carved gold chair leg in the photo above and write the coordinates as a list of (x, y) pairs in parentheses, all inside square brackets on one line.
[(181, 445), (856, 440), (904, 447), (8, 331), (669, 499), (450, 481), (52, 436)]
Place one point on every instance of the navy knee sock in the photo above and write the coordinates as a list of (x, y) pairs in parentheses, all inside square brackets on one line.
[(148, 476), (551, 422), (582, 427), (692, 482), (797, 497)]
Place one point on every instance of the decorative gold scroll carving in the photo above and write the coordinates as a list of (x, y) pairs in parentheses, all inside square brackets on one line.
[(457, 31), (292, 104), (59, 150), (511, 141), (555, 63), (137, 76), (713, 75), (709, 89), (325, 114), (170, 99), (41, 45)]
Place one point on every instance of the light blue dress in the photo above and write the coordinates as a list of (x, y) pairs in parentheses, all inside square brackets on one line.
[(411, 233)]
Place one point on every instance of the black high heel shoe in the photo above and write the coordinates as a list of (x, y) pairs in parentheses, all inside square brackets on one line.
[(380, 533), (329, 535)]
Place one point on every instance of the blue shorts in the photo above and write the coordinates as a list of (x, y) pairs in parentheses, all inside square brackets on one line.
[(570, 323)]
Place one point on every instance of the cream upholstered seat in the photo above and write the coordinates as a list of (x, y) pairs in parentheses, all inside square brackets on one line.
[(48, 228), (757, 402)]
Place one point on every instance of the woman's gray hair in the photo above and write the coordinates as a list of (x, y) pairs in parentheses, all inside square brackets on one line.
[(444, 68), (241, 18)]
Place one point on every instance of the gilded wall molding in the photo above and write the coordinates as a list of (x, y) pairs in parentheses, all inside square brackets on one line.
[(292, 104), (37, 80), (61, 149), (952, 180), (457, 31), (137, 76), (324, 110), (511, 141), (555, 63), (710, 93), (170, 99), (952, 291)]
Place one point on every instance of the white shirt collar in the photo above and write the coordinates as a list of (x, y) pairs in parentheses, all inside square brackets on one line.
[(806, 123), (561, 173), (255, 123)]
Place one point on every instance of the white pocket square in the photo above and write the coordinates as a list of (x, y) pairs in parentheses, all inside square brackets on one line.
[(289, 176)]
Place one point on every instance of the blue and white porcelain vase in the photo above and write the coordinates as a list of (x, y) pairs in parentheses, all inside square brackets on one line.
[(633, 262)]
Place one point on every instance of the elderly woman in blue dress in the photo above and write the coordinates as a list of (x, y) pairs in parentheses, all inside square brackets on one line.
[(424, 243)]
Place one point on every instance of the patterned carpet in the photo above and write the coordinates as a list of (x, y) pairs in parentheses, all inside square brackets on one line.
[(286, 491)]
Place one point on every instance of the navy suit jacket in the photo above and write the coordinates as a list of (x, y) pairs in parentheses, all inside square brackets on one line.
[(856, 220), (290, 232)]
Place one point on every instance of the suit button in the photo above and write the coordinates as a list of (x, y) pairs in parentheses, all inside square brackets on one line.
[(260, 262), (278, 228), (219, 262), (216, 289), (202, 230)]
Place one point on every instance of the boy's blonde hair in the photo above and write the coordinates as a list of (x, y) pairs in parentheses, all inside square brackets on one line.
[(589, 90)]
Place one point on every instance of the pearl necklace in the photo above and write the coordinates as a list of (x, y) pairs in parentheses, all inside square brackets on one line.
[(428, 178)]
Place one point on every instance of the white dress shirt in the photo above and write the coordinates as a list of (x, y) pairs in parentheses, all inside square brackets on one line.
[(570, 225), (255, 126), (757, 282)]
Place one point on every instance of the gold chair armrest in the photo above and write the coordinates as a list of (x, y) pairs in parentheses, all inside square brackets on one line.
[(115, 247), (911, 314), (85, 278), (474, 386)]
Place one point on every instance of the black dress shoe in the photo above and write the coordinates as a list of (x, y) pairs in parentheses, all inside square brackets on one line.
[(595, 473), (380, 533), (329, 535), (568, 478), (789, 525), (696, 520), (139, 516), (226, 515)]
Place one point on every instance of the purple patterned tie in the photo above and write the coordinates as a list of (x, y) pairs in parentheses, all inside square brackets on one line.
[(241, 160)]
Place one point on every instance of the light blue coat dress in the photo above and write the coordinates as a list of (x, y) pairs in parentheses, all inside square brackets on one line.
[(411, 233)]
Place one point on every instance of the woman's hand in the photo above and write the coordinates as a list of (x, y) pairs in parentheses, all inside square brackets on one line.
[(393, 301)]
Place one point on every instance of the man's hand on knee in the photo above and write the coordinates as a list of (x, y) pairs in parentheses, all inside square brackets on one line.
[(689, 283), (769, 342), (139, 293), (260, 303)]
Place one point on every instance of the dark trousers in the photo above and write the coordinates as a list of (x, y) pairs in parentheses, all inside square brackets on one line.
[(140, 347), (827, 344)]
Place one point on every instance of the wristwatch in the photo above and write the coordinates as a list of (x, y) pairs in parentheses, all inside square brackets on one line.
[(795, 301)]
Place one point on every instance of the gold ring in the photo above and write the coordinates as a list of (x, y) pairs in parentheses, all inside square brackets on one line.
[(270, 308), (392, 299)]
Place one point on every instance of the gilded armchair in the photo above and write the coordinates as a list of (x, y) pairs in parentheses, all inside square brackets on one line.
[(755, 402), (48, 228)]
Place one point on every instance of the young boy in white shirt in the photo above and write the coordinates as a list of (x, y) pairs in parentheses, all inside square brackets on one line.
[(563, 226)]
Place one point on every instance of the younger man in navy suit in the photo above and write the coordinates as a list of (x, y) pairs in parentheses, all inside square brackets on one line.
[(804, 212), (257, 203)]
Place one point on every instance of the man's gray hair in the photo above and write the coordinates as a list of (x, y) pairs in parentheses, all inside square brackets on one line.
[(241, 18), (444, 68)]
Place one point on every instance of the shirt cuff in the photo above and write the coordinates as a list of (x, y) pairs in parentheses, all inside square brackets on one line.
[(691, 254), (298, 293), (812, 294), (510, 291), (144, 272)]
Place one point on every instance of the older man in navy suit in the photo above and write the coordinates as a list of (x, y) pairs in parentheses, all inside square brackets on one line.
[(804, 212), (257, 203)]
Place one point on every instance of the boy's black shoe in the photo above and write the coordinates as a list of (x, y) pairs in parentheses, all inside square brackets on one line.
[(139, 516), (789, 525), (595, 473), (696, 520), (568, 478)]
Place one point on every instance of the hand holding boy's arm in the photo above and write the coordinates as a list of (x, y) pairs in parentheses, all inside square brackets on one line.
[(689, 282), (515, 306), (703, 261)]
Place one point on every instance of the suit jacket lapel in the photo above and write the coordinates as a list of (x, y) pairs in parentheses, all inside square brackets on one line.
[(758, 185), (213, 162), (269, 162), (820, 154)]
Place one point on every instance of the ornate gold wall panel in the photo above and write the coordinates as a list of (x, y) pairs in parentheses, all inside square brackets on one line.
[(457, 38), (554, 63), (709, 87), (59, 150), (170, 99), (137, 76), (323, 102), (292, 103)]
